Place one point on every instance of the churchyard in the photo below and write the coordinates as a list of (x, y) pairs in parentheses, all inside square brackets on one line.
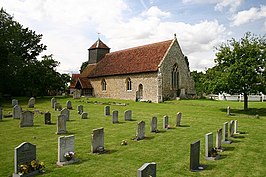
[(122, 154)]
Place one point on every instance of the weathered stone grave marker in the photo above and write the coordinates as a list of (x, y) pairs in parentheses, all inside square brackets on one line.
[(115, 117), (84, 115), (17, 112), (69, 104), (140, 133), (97, 143), (225, 134), (210, 152), (128, 115), (53, 101), (66, 150), (47, 118), (195, 157), (178, 119), (76, 94), (236, 128), (80, 109), (31, 102), (25, 153), (228, 111), (231, 128), (219, 135), (65, 112), (107, 111), (154, 125), (61, 124), (147, 170), (26, 119), (165, 122), (14, 102)]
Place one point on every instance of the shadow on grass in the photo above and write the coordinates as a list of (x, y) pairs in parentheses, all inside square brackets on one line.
[(149, 137), (110, 151), (162, 131), (222, 156), (240, 137), (210, 167), (184, 126), (229, 148), (249, 112), (235, 141)]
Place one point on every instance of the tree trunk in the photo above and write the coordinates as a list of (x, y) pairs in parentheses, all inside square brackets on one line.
[(245, 101)]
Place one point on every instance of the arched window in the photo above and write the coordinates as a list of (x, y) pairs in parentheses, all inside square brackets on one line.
[(175, 77), (103, 85), (128, 84)]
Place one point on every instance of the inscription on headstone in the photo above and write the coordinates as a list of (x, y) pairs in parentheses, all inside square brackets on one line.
[(97, 143), (147, 170), (128, 115), (178, 119), (26, 119)]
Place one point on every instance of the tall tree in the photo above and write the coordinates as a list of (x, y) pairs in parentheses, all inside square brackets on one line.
[(241, 65)]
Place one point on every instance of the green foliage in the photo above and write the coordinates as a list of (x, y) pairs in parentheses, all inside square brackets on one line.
[(83, 66), (168, 148)]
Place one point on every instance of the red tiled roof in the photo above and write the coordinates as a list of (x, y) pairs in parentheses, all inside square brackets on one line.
[(74, 80), (134, 60), (84, 82), (99, 45)]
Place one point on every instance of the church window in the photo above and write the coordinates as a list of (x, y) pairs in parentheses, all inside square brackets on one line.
[(128, 84), (103, 85), (175, 77)]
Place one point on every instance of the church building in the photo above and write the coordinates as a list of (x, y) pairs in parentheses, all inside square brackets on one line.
[(154, 72)]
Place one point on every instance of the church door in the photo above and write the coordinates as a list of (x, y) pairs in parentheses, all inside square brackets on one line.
[(140, 91)]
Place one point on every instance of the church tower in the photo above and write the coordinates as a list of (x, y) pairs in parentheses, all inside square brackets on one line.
[(97, 51)]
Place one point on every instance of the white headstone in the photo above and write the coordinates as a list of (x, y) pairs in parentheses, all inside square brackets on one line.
[(147, 170), (209, 150), (228, 111), (26, 119), (66, 150), (236, 127), (178, 119)]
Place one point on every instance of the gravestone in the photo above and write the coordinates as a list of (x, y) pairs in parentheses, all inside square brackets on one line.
[(80, 109), (65, 112), (66, 145), (57, 106), (61, 124), (107, 111), (97, 143), (165, 122), (154, 125), (1, 114), (228, 111), (47, 118), (69, 104), (236, 127), (178, 119), (17, 112), (231, 128), (53, 101), (147, 170), (128, 115), (219, 135), (76, 94), (195, 157), (115, 117), (14, 102), (31, 102), (209, 150), (26, 119), (84, 115), (140, 133), (24, 154), (225, 134)]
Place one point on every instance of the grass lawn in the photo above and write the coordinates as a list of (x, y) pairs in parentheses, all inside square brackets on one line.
[(170, 149)]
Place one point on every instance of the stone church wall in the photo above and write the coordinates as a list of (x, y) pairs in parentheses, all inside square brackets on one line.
[(116, 86)]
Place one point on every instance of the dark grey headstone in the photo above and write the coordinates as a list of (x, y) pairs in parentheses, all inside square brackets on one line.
[(107, 111), (24, 153), (80, 109), (165, 122), (128, 115), (69, 104), (14, 102), (219, 135), (84, 115), (232, 128), (195, 156), (115, 117), (31, 102), (47, 118), (147, 170)]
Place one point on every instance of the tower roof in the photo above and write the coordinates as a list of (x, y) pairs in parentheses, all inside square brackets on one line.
[(99, 45)]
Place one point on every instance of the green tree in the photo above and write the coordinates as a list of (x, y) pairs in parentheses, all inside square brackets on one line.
[(83, 66), (241, 66)]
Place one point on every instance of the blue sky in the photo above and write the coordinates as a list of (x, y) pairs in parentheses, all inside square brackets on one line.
[(70, 27)]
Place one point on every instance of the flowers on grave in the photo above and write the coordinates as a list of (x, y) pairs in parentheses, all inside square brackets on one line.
[(123, 143), (69, 155), (34, 165), (213, 152)]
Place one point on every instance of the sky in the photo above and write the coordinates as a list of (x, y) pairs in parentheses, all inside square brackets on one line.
[(70, 27)]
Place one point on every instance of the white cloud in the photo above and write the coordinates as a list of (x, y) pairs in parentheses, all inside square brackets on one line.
[(250, 15), (154, 11)]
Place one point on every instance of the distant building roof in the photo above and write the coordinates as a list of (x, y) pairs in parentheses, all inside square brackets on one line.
[(99, 45), (140, 59), (74, 79), (84, 83)]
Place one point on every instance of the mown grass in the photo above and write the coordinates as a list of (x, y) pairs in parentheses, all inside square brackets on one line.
[(168, 148)]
